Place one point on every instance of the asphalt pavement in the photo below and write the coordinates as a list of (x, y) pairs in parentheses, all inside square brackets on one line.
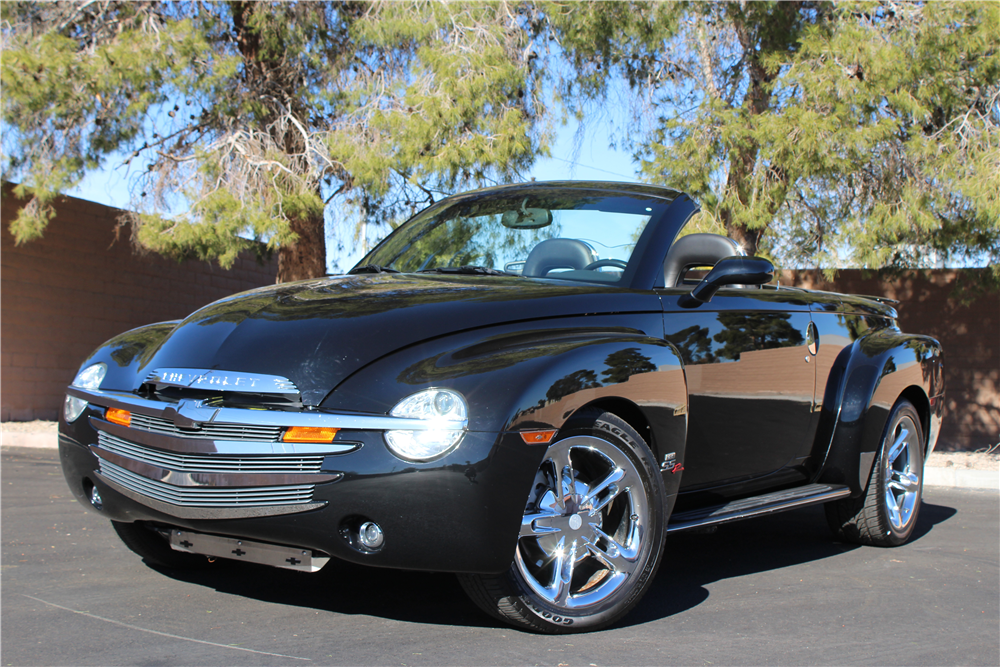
[(775, 590)]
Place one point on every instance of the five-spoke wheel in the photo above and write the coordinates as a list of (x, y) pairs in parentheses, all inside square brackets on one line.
[(591, 536), (887, 512), (901, 473), (583, 527)]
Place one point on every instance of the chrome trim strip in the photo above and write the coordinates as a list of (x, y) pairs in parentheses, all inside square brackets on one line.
[(216, 463), (207, 378), (182, 512), (238, 447), (230, 496), (220, 481), (205, 431), (346, 421)]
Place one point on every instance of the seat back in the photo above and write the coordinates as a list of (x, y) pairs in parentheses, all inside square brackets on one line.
[(553, 254), (696, 250)]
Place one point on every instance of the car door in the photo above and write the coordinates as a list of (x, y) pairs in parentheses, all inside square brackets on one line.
[(750, 381)]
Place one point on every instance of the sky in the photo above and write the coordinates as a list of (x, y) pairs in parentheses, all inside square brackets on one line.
[(588, 158)]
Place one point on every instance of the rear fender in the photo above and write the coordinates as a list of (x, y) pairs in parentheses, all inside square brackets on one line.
[(867, 379)]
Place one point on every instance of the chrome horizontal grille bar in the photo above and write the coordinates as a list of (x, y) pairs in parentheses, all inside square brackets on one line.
[(258, 496), (207, 431), (210, 463), (244, 416)]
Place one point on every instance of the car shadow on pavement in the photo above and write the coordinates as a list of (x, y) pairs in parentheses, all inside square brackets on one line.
[(346, 588), (692, 561)]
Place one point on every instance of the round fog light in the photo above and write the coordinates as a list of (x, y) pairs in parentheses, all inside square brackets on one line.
[(371, 535), (95, 498)]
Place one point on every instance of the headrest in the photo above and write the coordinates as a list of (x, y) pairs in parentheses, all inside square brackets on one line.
[(553, 254), (696, 250)]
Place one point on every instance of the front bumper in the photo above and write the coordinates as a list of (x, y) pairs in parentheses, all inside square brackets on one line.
[(460, 513)]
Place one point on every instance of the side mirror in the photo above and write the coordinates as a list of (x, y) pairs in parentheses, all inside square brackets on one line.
[(734, 270)]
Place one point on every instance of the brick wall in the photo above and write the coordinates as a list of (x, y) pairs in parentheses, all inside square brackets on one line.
[(969, 333), (64, 294)]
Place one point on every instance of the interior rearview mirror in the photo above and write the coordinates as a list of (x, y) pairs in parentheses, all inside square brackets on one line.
[(526, 218)]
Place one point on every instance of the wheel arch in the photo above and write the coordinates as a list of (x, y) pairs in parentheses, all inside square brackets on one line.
[(921, 403), (654, 402), (869, 378), (628, 412)]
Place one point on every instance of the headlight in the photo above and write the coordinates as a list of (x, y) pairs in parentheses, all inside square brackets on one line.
[(446, 412), (89, 378)]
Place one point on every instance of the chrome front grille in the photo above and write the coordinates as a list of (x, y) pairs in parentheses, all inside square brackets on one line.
[(211, 463), (210, 497), (207, 431)]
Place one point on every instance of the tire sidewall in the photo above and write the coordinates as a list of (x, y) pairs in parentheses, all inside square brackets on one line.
[(902, 409), (610, 428)]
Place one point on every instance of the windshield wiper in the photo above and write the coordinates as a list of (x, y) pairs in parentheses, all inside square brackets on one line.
[(468, 270), (371, 268)]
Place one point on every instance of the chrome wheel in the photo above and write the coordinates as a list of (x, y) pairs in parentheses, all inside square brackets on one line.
[(886, 514), (591, 536), (901, 473), (583, 527)]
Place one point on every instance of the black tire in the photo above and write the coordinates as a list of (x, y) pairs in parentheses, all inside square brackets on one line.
[(583, 560), (154, 547), (886, 514)]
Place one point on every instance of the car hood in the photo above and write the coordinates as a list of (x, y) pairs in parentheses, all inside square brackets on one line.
[(316, 333)]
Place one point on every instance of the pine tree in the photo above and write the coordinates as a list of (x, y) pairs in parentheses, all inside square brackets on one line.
[(245, 124), (816, 132)]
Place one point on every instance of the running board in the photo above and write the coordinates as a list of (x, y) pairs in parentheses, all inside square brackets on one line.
[(778, 501)]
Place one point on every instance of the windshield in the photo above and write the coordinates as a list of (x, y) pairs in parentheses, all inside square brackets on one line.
[(561, 234)]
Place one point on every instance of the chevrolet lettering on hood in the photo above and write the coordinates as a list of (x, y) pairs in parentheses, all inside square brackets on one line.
[(221, 380), (529, 386)]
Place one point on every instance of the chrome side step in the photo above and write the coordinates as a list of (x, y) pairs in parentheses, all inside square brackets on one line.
[(290, 558), (778, 501)]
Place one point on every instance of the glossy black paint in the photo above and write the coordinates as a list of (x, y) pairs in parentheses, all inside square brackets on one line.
[(317, 333), (729, 390), (870, 373), (731, 271)]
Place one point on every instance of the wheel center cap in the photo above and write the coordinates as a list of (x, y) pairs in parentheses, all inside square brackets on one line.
[(575, 522)]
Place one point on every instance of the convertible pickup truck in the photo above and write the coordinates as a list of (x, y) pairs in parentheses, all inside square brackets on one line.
[(531, 386)]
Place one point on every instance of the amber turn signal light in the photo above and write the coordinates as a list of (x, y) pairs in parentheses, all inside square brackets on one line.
[(118, 416), (309, 434), (537, 437)]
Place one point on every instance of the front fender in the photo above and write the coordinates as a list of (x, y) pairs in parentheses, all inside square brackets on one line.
[(128, 352), (867, 379), (526, 377)]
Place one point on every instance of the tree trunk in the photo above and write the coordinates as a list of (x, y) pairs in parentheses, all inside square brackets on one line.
[(306, 258), (743, 156), (749, 239)]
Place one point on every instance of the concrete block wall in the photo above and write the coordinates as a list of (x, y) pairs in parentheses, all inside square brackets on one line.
[(970, 334), (80, 284)]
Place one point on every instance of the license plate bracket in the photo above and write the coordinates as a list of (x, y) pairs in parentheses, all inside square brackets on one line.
[(262, 553)]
